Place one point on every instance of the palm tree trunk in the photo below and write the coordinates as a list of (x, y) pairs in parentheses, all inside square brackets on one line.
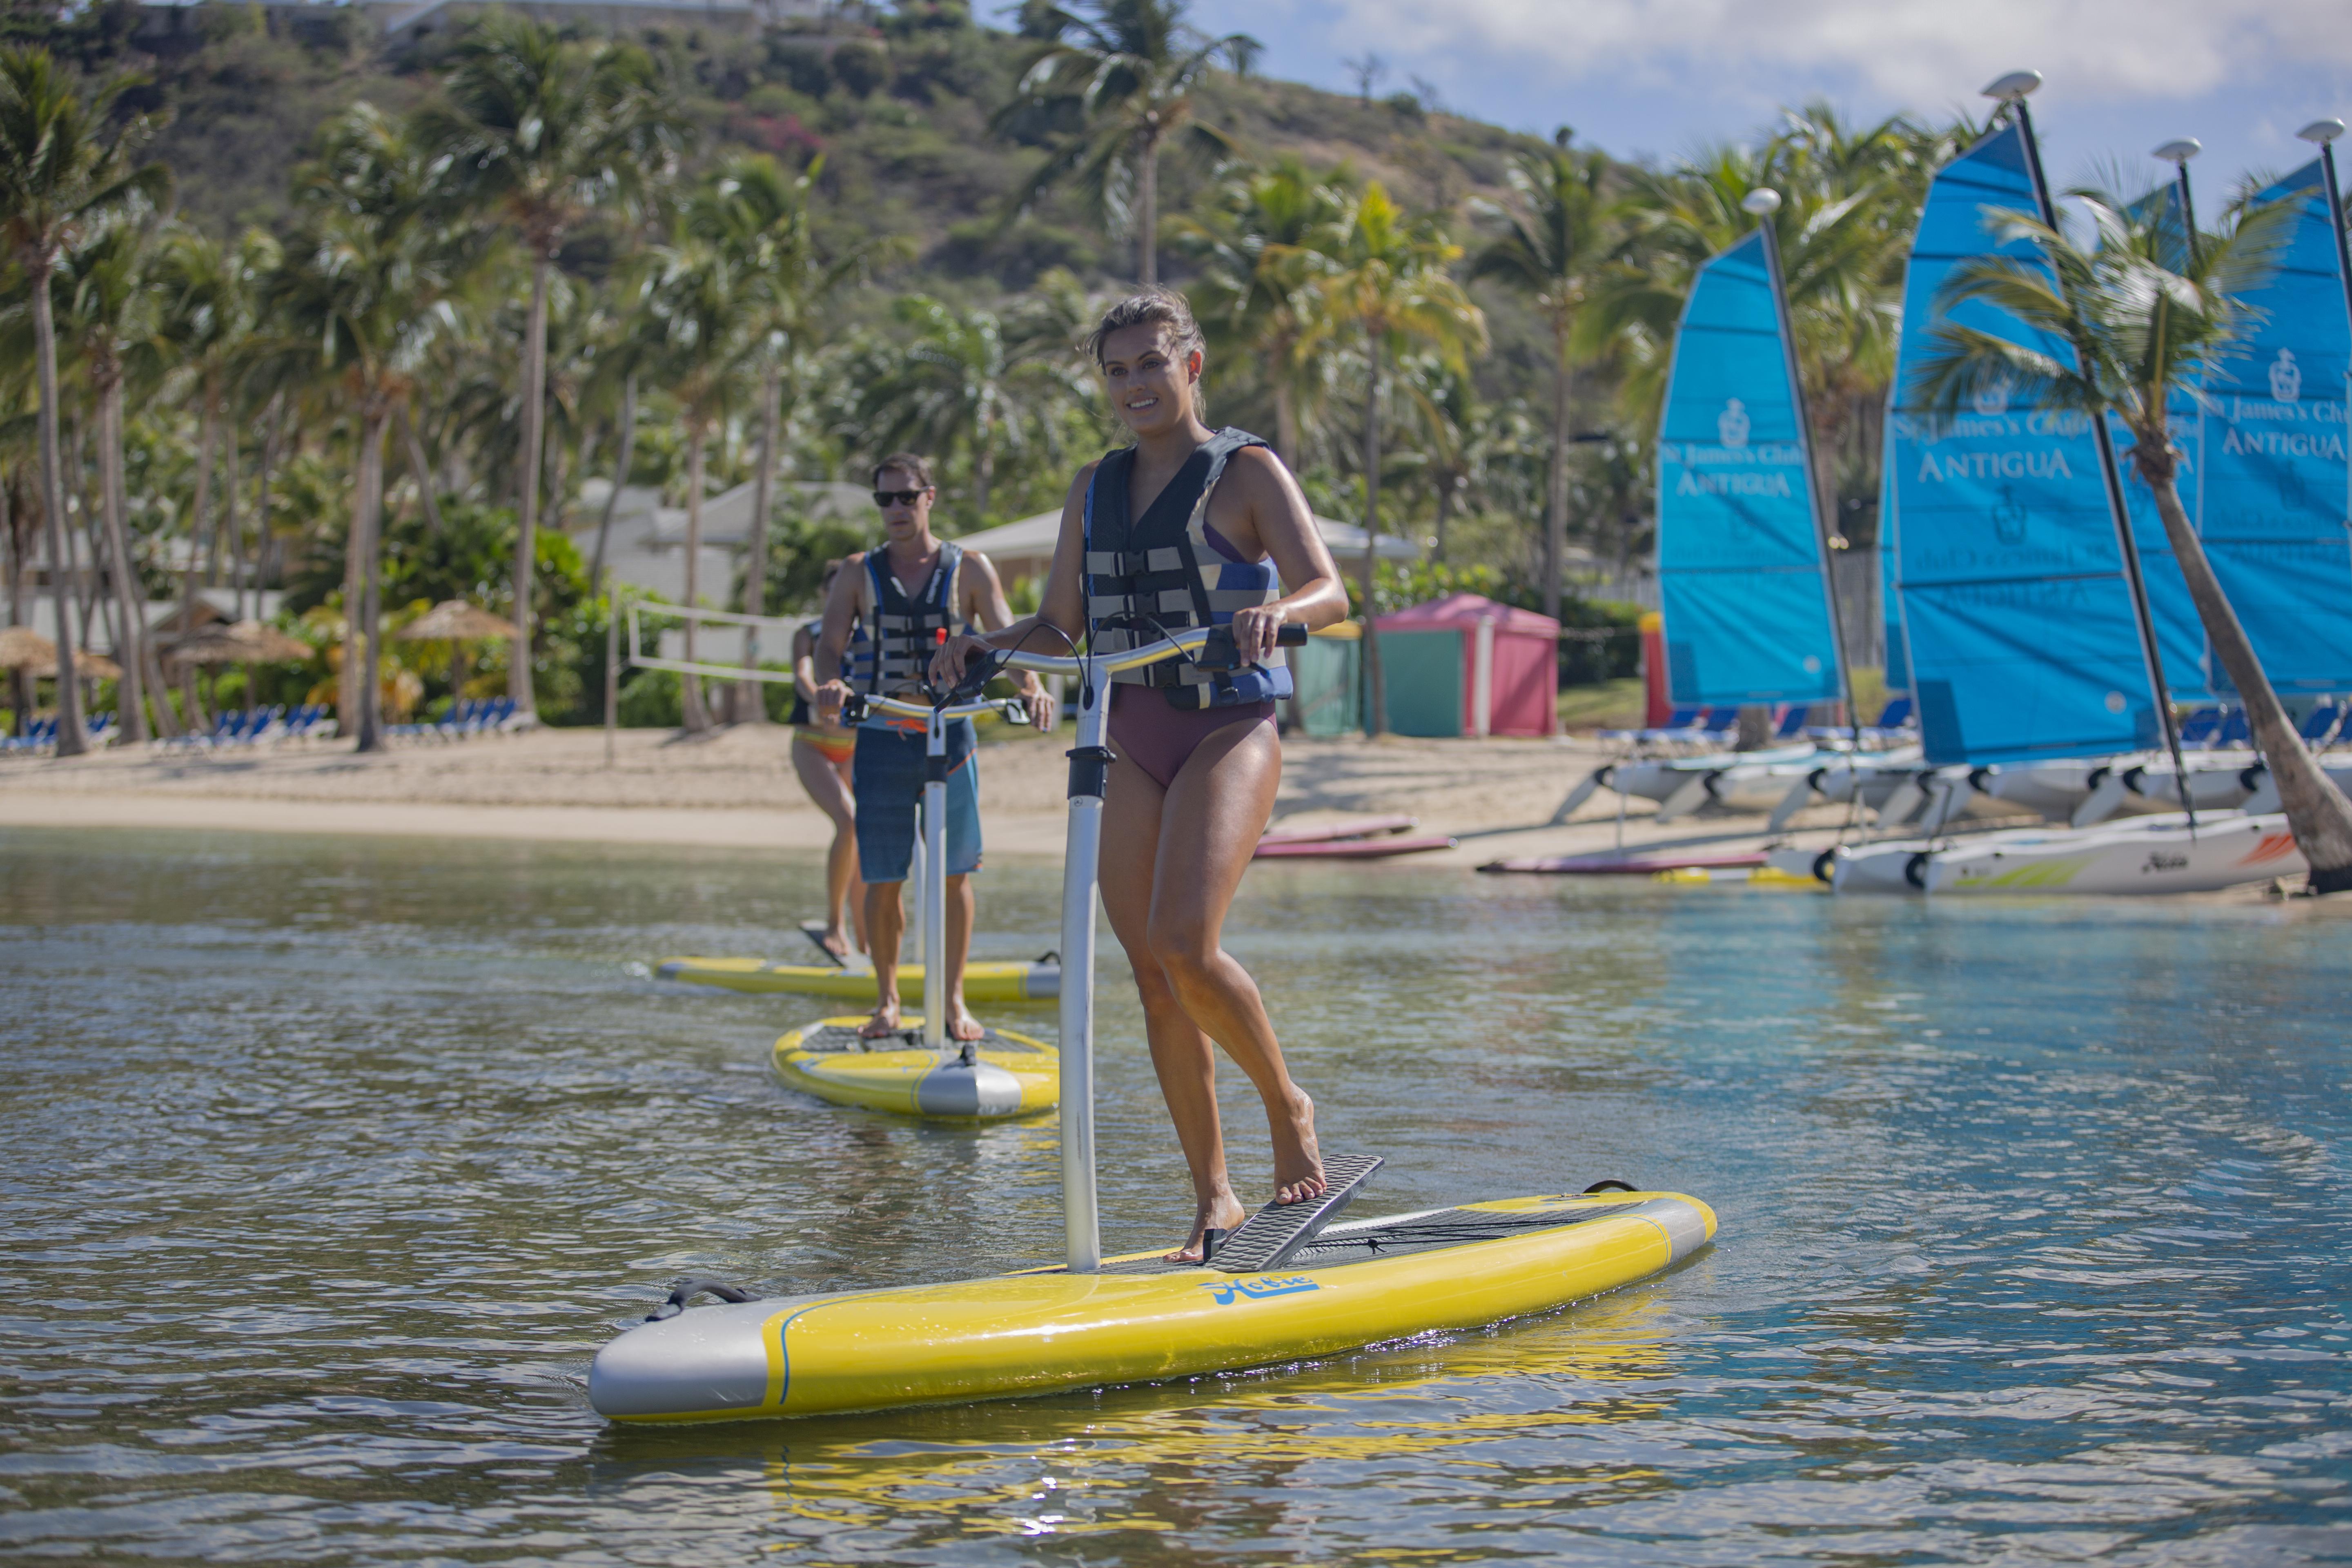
[(262, 539), (2316, 812), (70, 741), (420, 470), (534, 413), (1376, 722), (367, 516), (346, 686), (1285, 412), (1556, 505), (749, 707), (130, 649), (207, 433), (232, 526), (20, 685), (1445, 486), (690, 710), (1147, 212), (620, 476)]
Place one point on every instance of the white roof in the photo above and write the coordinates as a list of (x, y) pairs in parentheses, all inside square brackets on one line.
[(1032, 539)]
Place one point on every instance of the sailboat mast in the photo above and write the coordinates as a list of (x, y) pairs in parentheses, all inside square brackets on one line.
[(1823, 525), (2325, 133), (2113, 476)]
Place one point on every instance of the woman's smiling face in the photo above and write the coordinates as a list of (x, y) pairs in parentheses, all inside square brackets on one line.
[(1150, 383)]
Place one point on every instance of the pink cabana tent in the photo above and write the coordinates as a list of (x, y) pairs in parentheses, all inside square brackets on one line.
[(1465, 665)]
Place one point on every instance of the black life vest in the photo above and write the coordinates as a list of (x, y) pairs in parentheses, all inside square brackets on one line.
[(1158, 574), (902, 629)]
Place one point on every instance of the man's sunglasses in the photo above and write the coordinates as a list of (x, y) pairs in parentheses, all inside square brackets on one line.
[(899, 497)]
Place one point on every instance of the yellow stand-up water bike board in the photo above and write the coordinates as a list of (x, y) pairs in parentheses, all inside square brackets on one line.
[(1009, 1075), (1037, 981), (1141, 1319)]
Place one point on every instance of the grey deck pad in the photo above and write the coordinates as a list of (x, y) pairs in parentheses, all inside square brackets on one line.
[(1270, 1238), (844, 1038)]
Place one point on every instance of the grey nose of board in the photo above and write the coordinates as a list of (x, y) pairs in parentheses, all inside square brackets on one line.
[(968, 1088)]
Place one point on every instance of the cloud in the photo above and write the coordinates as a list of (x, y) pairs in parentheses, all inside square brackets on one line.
[(1907, 50)]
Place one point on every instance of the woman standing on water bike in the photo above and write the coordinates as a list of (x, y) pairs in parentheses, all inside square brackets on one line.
[(1187, 526), (821, 757)]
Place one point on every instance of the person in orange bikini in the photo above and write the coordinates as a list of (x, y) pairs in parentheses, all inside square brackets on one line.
[(821, 757), (1188, 526)]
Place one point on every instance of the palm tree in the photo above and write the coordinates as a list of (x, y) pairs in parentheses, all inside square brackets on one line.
[(972, 385), (209, 288), (766, 218), (369, 283), (1256, 276), (61, 170), (1551, 251), (2143, 322), (1127, 70), (545, 131), (697, 300), (106, 309), (1387, 276)]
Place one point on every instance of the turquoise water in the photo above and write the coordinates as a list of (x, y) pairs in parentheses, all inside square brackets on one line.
[(331, 1164)]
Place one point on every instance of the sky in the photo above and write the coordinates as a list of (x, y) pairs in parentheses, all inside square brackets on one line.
[(1660, 78)]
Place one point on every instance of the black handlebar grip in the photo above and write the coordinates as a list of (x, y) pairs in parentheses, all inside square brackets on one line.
[(1290, 633), (853, 709)]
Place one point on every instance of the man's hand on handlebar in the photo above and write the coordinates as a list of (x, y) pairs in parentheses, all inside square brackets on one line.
[(829, 699), (1044, 712)]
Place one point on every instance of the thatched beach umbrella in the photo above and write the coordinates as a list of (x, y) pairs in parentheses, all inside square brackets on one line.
[(21, 647), (246, 642), (457, 623), (454, 620)]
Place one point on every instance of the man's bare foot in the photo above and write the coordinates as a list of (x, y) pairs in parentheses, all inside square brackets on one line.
[(884, 1023), (962, 1025), (1298, 1164), (1223, 1212)]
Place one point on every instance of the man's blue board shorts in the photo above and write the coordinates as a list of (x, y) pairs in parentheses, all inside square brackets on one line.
[(886, 776)]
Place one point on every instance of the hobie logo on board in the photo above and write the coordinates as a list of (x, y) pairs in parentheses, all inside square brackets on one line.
[(1731, 424), (2286, 377), (1228, 1291)]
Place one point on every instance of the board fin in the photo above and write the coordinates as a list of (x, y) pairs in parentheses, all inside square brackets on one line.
[(1276, 1233)]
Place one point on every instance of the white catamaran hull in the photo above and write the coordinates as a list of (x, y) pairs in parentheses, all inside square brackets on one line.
[(2149, 855)]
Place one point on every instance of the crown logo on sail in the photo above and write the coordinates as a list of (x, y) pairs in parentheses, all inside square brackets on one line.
[(1731, 424), (2286, 377), (2009, 519), (1991, 401)]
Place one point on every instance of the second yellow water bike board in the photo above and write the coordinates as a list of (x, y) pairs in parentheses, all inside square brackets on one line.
[(1001, 1075), (1287, 1284), (1038, 980)]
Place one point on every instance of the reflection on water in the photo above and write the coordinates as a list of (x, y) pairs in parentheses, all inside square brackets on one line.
[(332, 1166)]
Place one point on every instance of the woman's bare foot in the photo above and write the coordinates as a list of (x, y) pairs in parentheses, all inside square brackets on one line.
[(962, 1025), (1298, 1164), (1223, 1212), (884, 1023)]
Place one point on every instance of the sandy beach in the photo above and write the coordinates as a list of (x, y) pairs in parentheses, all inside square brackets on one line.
[(735, 787)]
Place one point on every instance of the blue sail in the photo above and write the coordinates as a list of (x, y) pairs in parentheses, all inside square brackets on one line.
[(1890, 603), (2271, 499), (1739, 554), (2018, 621)]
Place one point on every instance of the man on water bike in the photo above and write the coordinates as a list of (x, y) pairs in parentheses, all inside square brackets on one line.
[(910, 596), (1187, 527)]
